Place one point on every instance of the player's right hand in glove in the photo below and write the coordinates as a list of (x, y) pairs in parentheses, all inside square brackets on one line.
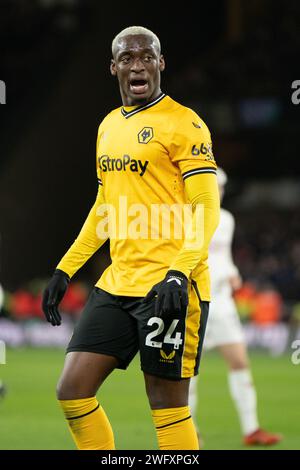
[(53, 295)]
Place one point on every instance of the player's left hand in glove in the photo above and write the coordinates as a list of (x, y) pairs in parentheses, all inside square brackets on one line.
[(172, 294), (52, 296)]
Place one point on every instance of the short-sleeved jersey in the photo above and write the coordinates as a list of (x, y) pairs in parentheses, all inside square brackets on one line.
[(144, 154)]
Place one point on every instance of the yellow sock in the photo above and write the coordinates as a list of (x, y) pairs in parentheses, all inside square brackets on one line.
[(175, 429), (88, 424)]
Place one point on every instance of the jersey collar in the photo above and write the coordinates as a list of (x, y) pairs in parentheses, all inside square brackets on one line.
[(138, 109)]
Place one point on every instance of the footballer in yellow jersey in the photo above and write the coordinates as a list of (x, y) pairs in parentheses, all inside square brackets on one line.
[(158, 204), (144, 155)]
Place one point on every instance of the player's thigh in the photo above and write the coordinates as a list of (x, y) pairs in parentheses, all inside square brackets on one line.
[(235, 355), (170, 348), (106, 336), (83, 373)]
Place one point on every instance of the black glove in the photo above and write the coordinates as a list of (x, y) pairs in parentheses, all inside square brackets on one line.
[(172, 294), (53, 294)]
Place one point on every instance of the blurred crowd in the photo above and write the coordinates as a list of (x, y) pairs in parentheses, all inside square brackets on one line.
[(259, 303), (266, 250), (253, 63), (36, 36), (26, 302)]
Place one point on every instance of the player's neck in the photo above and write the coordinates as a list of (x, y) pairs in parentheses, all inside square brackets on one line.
[(128, 101)]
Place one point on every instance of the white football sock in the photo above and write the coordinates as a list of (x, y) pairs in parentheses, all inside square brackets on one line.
[(243, 394)]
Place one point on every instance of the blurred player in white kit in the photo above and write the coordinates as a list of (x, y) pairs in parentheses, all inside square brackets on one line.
[(224, 331)]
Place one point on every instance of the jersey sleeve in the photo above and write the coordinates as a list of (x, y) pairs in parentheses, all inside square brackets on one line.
[(202, 191), (191, 150), (191, 146)]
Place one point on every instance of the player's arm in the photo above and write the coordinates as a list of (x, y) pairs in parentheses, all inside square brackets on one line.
[(85, 245), (191, 150), (202, 192)]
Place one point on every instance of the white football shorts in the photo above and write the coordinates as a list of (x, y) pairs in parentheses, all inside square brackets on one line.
[(223, 325)]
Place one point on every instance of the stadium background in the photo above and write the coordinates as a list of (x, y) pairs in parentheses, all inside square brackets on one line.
[(232, 61)]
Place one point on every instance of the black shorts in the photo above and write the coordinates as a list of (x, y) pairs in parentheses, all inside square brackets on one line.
[(120, 326)]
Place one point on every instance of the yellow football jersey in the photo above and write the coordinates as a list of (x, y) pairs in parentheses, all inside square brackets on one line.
[(144, 155)]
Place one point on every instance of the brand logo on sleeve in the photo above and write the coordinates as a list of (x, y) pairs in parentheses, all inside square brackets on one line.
[(198, 126), (205, 150)]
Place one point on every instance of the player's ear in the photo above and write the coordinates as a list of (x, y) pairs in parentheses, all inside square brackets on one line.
[(113, 69), (162, 64)]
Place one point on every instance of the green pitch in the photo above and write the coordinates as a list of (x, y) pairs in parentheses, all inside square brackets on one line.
[(31, 419)]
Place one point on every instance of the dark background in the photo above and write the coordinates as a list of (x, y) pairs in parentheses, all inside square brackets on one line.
[(232, 61)]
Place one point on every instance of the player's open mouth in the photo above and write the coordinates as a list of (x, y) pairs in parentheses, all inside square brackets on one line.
[(138, 87)]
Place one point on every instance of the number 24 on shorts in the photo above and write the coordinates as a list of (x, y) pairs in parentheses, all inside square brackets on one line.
[(176, 341)]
